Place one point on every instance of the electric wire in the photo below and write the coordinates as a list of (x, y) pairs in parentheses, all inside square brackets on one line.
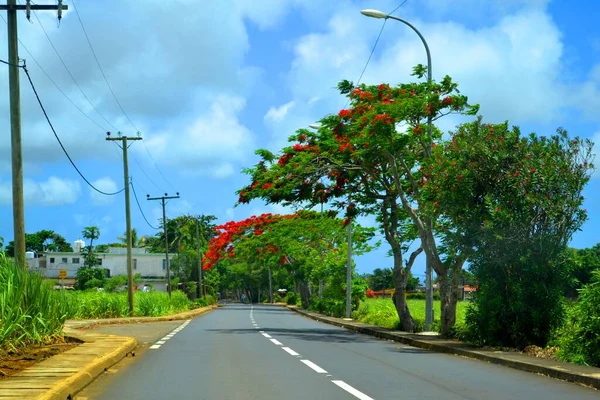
[(114, 95), (60, 142), (70, 74), (140, 207)]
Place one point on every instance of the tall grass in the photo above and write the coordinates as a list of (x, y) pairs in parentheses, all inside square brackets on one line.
[(94, 304), (381, 312), (31, 312)]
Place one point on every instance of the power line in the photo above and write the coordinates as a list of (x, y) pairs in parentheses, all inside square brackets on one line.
[(58, 139), (396, 9), (114, 95), (69, 72), (140, 207), (374, 47), (99, 66), (56, 85)]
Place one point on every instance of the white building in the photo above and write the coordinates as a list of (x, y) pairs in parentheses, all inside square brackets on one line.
[(148, 265)]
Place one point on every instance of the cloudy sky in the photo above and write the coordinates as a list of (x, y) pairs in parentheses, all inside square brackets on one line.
[(206, 83)]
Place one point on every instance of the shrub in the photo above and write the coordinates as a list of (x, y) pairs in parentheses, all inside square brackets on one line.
[(416, 296), (32, 312), (85, 274), (115, 283), (579, 339), (292, 298)]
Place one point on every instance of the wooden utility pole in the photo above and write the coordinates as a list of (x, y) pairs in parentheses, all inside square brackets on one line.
[(162, 199), (11, 8), (124, 140)]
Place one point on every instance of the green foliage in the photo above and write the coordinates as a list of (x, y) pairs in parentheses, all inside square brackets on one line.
[(115, 283), (292, 299), (524, 196), (416, 296), (381, 312), (87, 274), (93, 304), (44, 240), (381, 278), (93, 283), (579, 338), (203, 302), (32, 313)]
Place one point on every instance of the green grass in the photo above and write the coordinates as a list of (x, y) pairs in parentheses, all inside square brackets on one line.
[(94, 304), (381, 312), (32, 313)]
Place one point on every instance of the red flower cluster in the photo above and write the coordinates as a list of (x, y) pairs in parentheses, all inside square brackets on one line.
[(385, 118), (223, 245), (345, 113), (285, 159)]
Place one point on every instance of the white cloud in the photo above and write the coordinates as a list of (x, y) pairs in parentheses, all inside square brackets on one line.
[(210, 144), (107, 185), (52, 192), (277, 114)]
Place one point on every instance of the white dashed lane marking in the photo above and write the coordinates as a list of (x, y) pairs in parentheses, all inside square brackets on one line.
[(356, 393), (341, 384), (314, 366), (169, 336)]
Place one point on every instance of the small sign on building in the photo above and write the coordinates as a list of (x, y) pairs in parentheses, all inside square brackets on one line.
[(62, 273)]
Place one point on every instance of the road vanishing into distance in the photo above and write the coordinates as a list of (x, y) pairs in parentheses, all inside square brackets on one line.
[(259, 352)]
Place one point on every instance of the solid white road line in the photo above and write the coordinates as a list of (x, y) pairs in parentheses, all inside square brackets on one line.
[(290, 351), (277, 342), (266, 335), (356, 393), (154, 346), (314, 366)]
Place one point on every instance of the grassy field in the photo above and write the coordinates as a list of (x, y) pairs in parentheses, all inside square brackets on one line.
[(381, 312), (92, 304)]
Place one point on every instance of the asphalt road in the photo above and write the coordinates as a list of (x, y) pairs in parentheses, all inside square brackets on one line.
[(262, 352)]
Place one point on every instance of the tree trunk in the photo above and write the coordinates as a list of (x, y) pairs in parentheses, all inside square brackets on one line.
[(407, 324), (304, 294), (449, 293)]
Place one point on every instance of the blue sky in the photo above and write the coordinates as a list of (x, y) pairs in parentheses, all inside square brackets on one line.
[(208, 85)]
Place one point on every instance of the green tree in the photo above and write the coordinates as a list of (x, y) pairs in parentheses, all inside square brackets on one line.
[(382, 278), (366, 160), (44, 240), (89, 256), (524, 196)]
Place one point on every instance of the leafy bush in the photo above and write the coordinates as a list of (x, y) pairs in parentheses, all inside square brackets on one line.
[(204, 302), (115, 283), (85, 274), (525, 314), (31, 311), (416, 296), (579, 339), (93, 283), (292, 298)]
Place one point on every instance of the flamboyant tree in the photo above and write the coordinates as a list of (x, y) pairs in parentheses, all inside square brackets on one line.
[(308, 245), (366, 160), (513, 202)]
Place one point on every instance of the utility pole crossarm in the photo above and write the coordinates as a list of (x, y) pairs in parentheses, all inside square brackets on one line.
[(33, 7)]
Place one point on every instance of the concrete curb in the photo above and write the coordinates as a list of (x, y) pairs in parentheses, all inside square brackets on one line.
[(84, 324), (66, 388), (562, 371)]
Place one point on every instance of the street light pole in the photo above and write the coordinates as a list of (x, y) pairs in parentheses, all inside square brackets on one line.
[(428, 269)]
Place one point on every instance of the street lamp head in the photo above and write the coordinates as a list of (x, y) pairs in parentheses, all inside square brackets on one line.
[(374, 13), (314, 126)]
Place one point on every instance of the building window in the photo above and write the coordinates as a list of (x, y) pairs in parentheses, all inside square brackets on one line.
[(75, 260), (52, 260), (65, 260), (99, 261), (135, 263), (164, 264)]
